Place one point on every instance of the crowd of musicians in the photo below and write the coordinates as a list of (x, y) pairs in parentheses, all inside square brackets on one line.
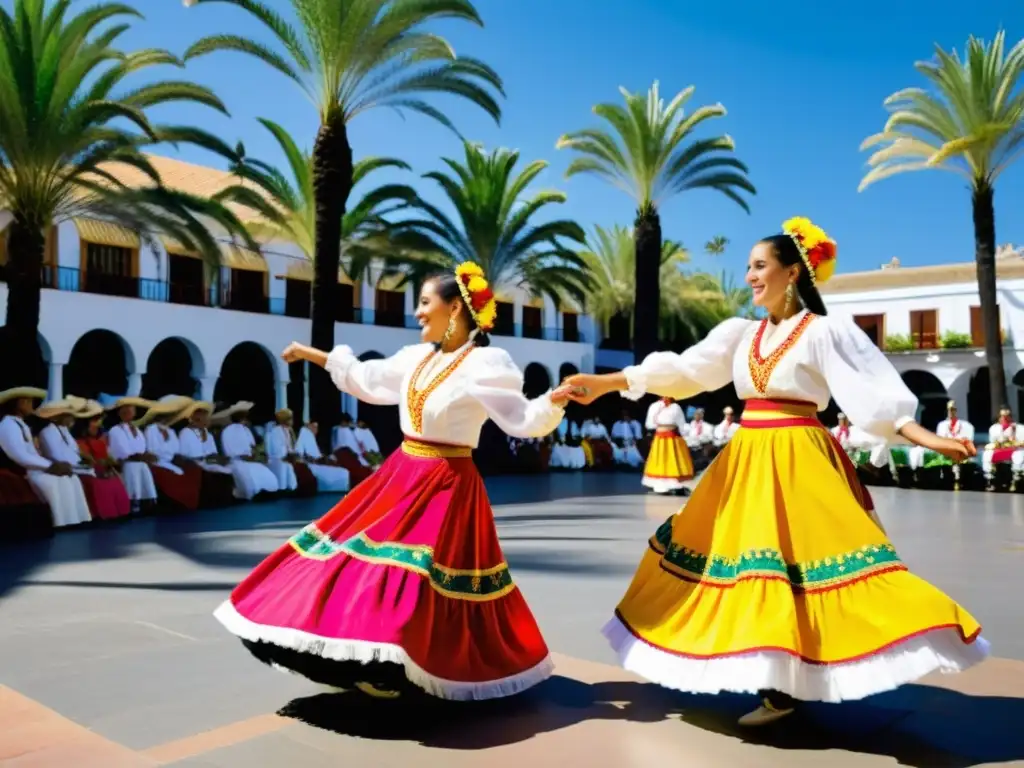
[(73, 461)]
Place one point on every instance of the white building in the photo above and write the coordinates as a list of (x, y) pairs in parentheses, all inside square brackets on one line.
[(114, 310), (928, 320)]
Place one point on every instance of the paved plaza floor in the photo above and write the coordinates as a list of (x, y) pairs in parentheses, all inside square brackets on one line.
[(109, 655)]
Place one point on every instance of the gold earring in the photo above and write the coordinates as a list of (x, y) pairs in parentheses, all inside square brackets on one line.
[(449, 330), (790, 298)]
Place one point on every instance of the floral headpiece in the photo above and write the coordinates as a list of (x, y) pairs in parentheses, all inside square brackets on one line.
[(477, 295), (817, 249)]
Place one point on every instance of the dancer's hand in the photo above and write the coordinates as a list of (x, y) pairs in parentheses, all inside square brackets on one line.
[(585, 388), (956, 450), (294, 352)]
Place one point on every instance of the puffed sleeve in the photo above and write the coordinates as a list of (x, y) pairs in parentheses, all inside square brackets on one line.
[(497, 384), (704, 367), (376, 382), (862, 381)]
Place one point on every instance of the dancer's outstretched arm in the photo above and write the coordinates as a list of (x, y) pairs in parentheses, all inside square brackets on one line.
[(377, 382)]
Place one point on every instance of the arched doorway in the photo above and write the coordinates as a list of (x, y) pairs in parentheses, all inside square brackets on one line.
[(536, 380), (99, 364), (979, 401), (931, 394), (171, 369), (383, 420), (34, 372), (1018, 383), (248, 373)]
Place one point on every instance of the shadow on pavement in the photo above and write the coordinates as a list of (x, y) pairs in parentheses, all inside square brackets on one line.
[(917, 725), (557, 703)]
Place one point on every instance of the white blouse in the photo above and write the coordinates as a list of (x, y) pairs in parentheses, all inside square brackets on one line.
[(831, 355), (165, 448), (126, 440), (666, 415), (193, 446), (487, 384)]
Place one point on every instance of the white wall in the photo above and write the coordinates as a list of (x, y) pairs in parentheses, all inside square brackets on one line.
[(954, 368)]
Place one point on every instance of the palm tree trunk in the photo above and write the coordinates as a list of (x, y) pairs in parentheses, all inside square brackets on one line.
[(985, 256), (647, 241), (332, 183), (25, 247)]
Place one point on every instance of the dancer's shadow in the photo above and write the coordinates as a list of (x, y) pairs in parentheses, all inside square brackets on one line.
[(920, 726), (917, 725), (557, 703)]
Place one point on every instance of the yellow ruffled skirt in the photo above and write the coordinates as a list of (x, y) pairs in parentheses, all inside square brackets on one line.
[(669, 464), (776, 575)]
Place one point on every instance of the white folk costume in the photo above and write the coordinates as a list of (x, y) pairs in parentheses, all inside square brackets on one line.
[(725, 429), (251, 477), (404, 580), (567, 453), (344, 436), (699, 433), (128, 440), (777, 575), (951, 427), (163, 442), (669, 464), (280, 444), (64, 495), (199, 445), (629, 433), (57, 444), (329, 477), (1005, 441)]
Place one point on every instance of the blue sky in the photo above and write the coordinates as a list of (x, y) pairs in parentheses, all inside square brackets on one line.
[(803, 82)]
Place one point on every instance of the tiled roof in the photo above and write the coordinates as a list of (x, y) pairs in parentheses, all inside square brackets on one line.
[(1009, 265), (193, 179)]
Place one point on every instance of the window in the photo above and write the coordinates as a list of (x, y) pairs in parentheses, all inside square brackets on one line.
[(505, 321), (619, 336), (533, 323), (924, 328), (108, 270), (187, 281), (873, 326), (390, 308), (246, 291), (978, 328), (570, 327), (298, 298)]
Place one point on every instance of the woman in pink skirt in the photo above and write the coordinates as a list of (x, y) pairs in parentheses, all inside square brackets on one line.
[(404, 581)]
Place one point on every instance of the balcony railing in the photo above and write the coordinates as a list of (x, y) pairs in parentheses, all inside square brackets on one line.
[(72, 280)]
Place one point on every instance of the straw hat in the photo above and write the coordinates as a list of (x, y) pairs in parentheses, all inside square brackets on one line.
[(90, 408), (138, 402), (197, 405), (728, 411), (57, 408), (165, 406), (951, 405), (224, 416), (284, 414), (17, 393)]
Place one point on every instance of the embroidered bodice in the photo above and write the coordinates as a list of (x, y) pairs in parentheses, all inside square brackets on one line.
[(805, 357), (453, 394)]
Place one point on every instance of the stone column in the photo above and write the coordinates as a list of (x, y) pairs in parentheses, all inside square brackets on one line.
[(134, 385), (282, 394), (56, 383), (207, 385)]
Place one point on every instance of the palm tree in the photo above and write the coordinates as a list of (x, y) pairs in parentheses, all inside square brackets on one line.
[(971, 123), (286, 203), (649, 153), (286, 207), (496, 228), (716, 245), (350, 57), (690, 303), (68, 131)]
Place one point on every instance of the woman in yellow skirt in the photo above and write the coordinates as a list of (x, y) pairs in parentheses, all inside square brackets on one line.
[(669, 464), (778, 579)]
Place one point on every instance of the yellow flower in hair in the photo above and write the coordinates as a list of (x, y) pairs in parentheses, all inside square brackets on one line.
[(477, 284), (487, 315), (469, 268), (825, 270)]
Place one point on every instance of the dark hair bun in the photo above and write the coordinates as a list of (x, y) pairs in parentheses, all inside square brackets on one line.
[(482, 339)]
